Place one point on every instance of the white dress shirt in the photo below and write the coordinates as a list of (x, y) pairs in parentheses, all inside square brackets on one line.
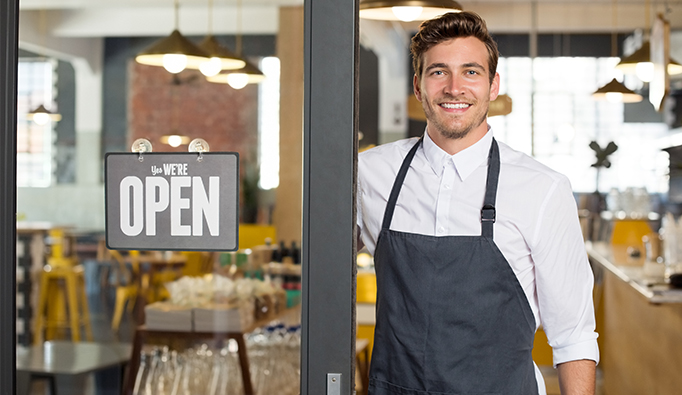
[(536, 228)]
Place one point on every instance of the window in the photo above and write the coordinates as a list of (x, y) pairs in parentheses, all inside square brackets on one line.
[(36, 86), (566, 119), (268, 124)]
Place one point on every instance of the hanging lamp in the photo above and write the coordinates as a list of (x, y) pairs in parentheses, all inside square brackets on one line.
[(614, 91), (42, 115), (221, 57), (174, 53), (406, 10), (249, 74), (639, 63)]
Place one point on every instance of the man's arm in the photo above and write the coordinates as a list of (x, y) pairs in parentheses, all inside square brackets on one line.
[(577, 377)]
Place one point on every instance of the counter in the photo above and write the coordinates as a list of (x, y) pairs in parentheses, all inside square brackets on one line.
[(631, 271), (639, 325)]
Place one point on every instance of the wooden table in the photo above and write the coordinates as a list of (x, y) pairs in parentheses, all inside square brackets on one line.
[(60, 361)]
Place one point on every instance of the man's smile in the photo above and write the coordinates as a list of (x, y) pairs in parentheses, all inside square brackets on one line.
[(455, 105)]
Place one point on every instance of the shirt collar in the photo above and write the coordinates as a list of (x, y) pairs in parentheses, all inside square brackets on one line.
[(465, 161)]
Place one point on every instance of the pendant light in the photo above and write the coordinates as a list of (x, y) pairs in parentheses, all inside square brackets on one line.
[(639, 63), (174, 53), (249, 74), (614, 91), (221, 57), (406, 10), (42, 116)]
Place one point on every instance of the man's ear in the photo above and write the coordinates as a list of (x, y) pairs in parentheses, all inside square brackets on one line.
[(495, 87), (415, 88)]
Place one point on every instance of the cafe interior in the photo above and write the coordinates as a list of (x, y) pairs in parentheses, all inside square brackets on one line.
[(588, 88)]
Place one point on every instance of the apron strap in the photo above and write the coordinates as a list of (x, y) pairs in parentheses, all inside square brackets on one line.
[(488, 210), (397, 185)]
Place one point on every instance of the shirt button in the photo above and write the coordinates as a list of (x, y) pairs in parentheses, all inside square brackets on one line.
[(446, 186), (441, 229)]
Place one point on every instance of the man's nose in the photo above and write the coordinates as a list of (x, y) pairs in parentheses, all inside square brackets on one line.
[(454, 86)]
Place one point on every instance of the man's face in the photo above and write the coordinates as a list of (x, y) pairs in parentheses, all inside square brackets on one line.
[(455, 88)]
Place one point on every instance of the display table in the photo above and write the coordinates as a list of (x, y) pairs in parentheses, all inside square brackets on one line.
[(63, 361), (142, 334), (639, 325)]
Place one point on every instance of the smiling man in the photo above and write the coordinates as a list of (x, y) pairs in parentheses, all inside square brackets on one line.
[(476, 245)]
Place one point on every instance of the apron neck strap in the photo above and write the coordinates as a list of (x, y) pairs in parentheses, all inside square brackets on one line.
[(488, 210), (398, 184)]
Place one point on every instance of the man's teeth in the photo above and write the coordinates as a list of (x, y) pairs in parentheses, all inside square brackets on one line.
[(458, 105)]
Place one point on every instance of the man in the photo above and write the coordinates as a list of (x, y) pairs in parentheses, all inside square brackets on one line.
[(475, 244)]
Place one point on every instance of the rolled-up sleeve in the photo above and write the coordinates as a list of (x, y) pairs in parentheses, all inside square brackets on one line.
[(564, 279)]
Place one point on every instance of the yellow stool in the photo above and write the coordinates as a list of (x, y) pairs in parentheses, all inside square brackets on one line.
[(61, 287)]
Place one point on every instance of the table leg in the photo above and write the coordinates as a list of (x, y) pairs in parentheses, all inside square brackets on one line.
[(23, 383), (108, 381), (244, 365)]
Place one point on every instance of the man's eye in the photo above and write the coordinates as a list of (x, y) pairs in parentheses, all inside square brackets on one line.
[(472, 72), (437, 72)]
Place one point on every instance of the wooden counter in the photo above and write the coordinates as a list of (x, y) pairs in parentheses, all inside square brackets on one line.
[(640, 327)]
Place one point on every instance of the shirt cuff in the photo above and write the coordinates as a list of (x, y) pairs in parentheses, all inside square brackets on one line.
[(575, 352)]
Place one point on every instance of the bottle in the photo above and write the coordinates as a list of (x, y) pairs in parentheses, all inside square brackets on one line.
[(295, 253), (285, 253)]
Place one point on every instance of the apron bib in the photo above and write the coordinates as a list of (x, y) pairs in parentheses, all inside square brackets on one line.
[(452, 317)]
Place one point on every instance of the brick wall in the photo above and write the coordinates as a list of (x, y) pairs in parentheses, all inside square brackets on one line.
[(226, 118), (161, 104)]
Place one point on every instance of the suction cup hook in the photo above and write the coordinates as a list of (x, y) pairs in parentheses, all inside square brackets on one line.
[(199, 145), (141, 146)]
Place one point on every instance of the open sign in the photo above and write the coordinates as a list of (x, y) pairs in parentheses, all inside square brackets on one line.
[(172, 201)]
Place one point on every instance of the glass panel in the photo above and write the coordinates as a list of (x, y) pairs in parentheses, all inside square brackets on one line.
[(36, 82), (566, 120)]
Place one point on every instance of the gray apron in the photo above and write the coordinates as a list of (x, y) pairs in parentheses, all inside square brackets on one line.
[(452, 317)]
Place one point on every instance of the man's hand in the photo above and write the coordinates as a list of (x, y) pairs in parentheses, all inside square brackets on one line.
[(577, 377)]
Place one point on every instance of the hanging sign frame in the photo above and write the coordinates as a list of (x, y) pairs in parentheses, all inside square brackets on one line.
[(172, 201)]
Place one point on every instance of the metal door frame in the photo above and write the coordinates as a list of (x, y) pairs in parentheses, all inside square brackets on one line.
[(330, 163), (329, 168), (9, 38)]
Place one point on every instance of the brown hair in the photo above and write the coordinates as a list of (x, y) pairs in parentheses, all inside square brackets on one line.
[(449, 26)]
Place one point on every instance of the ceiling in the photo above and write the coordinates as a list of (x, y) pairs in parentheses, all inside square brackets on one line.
[(101, 18)]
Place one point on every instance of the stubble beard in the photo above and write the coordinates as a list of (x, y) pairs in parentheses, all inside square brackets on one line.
[(453, 132)]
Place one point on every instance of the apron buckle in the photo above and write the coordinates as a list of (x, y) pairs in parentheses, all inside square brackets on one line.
[(488, 213)]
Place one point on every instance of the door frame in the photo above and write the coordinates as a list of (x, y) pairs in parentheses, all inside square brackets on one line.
[(329, 177), (9, 39)]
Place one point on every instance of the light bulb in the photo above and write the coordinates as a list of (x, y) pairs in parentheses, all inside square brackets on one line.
[(41, 118), (174, 63), (211, 68), (407, 14), (645, 71), (237, 80), (614, 97), (174, 140)]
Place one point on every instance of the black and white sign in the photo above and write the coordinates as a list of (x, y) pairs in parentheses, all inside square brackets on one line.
[(172, 201)]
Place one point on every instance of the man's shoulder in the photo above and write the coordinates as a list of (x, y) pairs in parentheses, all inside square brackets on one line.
[(518, 161), (388, 153)]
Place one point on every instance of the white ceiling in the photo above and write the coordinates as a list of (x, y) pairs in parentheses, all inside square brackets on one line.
[(98, 18)]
